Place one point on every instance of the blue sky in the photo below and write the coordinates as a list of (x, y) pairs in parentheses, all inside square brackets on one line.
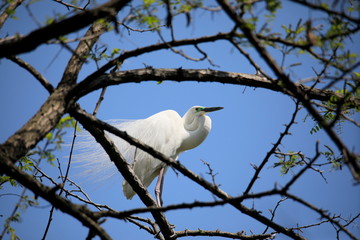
[(242, 133)]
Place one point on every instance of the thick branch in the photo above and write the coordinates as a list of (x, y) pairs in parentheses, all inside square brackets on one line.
[(218, 233), (37, 127), (81, 52), (31, 41), (54, 107), (200, 75)]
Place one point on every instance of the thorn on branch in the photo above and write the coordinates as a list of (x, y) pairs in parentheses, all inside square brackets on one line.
[(211, 173)]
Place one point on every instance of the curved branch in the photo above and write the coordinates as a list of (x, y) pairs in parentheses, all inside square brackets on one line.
[(43, 81), (200, 75)]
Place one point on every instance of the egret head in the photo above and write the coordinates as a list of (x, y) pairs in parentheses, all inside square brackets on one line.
[(203, 110), (198, 125), (197, 112)]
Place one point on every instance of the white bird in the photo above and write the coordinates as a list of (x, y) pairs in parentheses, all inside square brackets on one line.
[(167, 133)]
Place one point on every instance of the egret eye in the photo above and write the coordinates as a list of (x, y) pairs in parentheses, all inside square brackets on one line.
[(198, 109)]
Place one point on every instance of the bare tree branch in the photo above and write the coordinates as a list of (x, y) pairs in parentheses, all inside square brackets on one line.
[(272, 151), (322, 213), (218, 233), (200, 75), (43, 81)]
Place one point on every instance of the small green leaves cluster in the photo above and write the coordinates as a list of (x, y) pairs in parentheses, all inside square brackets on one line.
[(288, 161), (25, 164), (10, 230), (23, 204), (185, 6), (45, 151), (113, 54), (273, 5), (249, 12), (8, 10), (55, 18), (338, 106), (11, 13), (293, 33), (328, 116), (150, 14), (335, 161), (145, 15), (102, 53)]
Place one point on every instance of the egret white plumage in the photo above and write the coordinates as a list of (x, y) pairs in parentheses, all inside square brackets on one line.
[(166, 132)]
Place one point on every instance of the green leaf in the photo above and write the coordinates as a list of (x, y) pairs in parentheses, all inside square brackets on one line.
[(62, 38), (287, 30), (114, 52), (324, 5), (49, 21), (148, 3), (49, 136), (10, 11), (4, 179), (273, 5)]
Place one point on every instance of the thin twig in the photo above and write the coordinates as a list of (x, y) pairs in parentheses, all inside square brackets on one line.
[(43, 81), (273, 149)]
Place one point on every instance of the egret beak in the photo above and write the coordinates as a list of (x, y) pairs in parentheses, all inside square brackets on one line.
[(212, 109)]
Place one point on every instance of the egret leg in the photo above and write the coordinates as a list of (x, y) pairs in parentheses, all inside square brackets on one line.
[(159, 187)]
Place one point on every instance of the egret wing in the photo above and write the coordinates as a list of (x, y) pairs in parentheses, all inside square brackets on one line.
[(162, 132)]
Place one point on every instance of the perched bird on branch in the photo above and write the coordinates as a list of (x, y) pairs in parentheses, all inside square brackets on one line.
[(166, 131)]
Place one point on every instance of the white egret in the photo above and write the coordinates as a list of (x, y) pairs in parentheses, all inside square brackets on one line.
[(166, 132)]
